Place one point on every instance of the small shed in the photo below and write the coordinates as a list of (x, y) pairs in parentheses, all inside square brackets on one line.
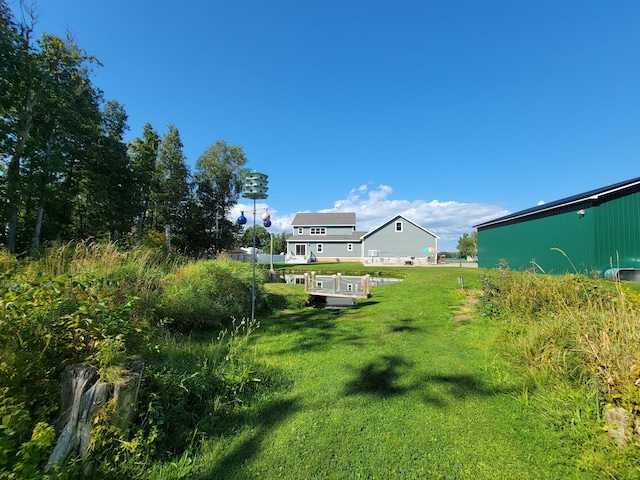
[(592, 232)]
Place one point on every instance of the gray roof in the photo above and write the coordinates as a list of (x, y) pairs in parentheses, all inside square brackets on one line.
[(324, 219), (406, 220)]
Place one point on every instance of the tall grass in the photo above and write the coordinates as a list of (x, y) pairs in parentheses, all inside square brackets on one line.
[(577, 327), (95, 303), (574, 334)]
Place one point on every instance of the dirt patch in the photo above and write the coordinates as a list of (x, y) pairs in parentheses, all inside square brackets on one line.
[(463, 312)]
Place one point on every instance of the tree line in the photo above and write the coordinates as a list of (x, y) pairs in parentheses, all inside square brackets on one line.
[(67, 174)]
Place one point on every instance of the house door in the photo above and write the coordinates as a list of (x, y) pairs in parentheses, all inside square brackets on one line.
[(301, 249)]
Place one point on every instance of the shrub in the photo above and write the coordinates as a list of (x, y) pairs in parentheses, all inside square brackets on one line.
[(209, 293), (571, 326)]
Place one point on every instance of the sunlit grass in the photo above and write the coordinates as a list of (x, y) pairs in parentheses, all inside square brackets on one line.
[(390, 388)]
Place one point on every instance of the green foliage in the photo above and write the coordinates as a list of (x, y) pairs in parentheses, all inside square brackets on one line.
[(262, 238), (23, 446), (97, 303), (209, 294), (468, 244), (189, 387), (574, 331)]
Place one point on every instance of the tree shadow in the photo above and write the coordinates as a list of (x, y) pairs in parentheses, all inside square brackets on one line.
[(405, 325), (260, 423), (387, 377), (379, 377), (441, 390), (315, 329)]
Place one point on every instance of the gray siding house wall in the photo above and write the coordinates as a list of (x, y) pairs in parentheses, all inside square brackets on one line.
[(333, 237), (399, 237), (323, 237)]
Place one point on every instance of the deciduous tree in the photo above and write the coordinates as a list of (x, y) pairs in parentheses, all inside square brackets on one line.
[(468, 244), (218, 182)]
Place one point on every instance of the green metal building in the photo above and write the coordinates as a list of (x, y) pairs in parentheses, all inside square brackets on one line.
[(596, 232)]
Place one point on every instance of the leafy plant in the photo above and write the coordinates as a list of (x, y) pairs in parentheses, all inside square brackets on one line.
[(208, 294)]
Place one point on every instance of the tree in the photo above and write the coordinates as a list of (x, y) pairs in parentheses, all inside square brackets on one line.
[(67, 112), (280, 243), (468, 244), (262, 238), (144, 155), (41, 85), (218, 180), (114, 189), (19, 84), (171, 187)]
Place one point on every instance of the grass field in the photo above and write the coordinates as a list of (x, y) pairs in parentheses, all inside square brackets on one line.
[(390, 388)]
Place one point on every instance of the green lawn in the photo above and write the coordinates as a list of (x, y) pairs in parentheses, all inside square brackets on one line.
[(390, 388)]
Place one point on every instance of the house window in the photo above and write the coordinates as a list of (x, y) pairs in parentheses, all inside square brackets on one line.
[(349, 247), (398, 226), (319, 248), (300, 231), (301, 249), (318, 231)]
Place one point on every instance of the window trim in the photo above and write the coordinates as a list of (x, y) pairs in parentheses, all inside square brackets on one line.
[(318, 231), (399, 226), (349, 247), (319, 248)]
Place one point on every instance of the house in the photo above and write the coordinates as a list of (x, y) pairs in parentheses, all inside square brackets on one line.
[(324, 237), (399, 238), (591, 232), (331, 237)]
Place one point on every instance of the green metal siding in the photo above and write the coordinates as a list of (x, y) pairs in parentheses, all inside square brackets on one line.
[(608, 234), (523, 242), (617, 236)]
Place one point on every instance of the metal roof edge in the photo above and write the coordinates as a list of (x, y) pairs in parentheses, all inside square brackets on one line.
[(563, 202)]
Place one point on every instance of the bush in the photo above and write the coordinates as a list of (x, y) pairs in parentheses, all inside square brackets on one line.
[(95, 303), (209, 294)]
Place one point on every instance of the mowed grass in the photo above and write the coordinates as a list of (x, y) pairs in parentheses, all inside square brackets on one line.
[(390, 388)]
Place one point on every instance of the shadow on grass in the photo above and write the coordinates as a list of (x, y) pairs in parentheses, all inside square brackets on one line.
[(261, 422), (390, 376), (363, 303), (442, 390), (405, 325), (313, 329), (379, 378)]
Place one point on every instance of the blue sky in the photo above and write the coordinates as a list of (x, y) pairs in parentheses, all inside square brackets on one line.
[(448, 112)]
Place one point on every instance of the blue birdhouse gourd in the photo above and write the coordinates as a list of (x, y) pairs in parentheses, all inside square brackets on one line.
[(242, 219)]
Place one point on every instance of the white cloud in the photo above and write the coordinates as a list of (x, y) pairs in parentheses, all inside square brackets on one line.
[(447, 219), (374, 206)]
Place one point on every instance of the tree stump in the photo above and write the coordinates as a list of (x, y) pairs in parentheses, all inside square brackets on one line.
[(82, 395)]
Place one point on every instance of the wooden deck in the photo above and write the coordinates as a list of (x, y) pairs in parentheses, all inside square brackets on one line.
[(338, 286)]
